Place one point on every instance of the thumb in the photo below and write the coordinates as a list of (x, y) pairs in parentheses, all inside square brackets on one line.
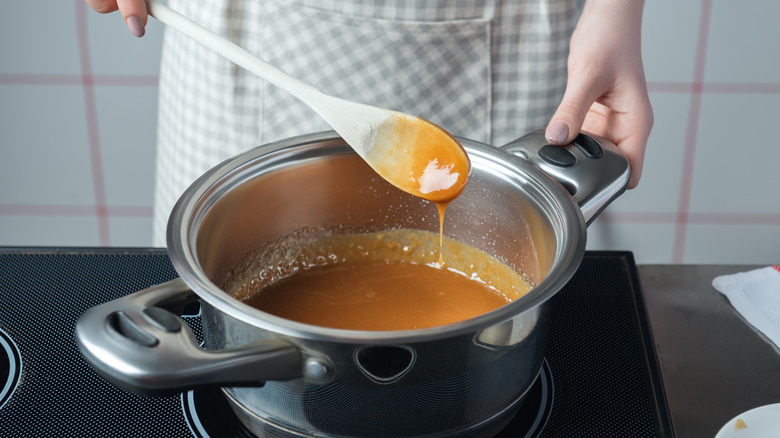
[(569, 117)]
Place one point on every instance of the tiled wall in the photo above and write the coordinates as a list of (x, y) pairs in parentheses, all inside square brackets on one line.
[(78, 98), (78, 108)]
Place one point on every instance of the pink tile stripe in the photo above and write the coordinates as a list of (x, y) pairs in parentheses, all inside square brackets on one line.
[(692, 218), (689, 157), (78, 80), (712, 87), (73, 210), (96, 158)]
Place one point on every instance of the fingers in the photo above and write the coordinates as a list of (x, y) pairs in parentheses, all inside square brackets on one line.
[(567, 121), (621, 114), (635, 144), (133, 11), (629, 129), (135, 15), (103, 6), (636, 159)]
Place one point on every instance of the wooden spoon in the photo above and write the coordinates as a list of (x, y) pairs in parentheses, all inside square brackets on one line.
[(413, 154)]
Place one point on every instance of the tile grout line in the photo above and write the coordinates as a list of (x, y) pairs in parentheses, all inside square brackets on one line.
[(74, 79), (689, 157), (110, 80), (96, 159), (49, 210), (633, 217), (710, 87), (670, 218)]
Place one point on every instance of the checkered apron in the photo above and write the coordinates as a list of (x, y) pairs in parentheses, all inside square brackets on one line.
[(487, 70)]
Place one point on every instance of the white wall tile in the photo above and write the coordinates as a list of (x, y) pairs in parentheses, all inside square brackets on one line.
[(45, 148), (736, 168), (48, 231), (650, 242), (131, 231), (128, 130), (670, 30), (738, 244), (744, 42), (39, 37), (115, 51)]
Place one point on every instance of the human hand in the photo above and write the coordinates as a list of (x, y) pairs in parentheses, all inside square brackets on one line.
[(133, 11), (606, 92)]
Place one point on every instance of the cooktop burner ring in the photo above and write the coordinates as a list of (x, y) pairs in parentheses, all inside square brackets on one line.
[(10, 367), (535, 410), (208, 414)]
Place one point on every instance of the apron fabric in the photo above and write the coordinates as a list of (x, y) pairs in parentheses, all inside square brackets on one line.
[(487, 70)]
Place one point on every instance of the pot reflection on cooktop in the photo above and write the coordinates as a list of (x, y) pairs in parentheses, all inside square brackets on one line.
[(209, 415)]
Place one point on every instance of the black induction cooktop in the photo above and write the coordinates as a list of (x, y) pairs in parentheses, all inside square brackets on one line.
[(600, 376)]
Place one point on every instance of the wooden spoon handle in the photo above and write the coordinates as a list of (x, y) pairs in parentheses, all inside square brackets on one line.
[(232, 52)]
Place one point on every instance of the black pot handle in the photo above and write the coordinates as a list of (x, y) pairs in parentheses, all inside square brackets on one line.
[(591, 168), (137, 342)]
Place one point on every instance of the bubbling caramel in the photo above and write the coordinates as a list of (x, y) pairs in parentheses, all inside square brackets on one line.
[(388, 280)]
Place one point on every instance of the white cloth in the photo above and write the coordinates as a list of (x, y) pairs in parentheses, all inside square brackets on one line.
[(756, 296), (487, 70)]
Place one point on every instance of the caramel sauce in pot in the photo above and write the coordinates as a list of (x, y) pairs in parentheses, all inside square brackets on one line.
[(388, 280)]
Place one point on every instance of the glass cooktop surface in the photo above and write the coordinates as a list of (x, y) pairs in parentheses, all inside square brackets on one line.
[(600, 376)]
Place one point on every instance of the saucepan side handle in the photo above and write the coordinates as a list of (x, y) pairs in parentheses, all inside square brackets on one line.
[(137, 343), (591, 168)]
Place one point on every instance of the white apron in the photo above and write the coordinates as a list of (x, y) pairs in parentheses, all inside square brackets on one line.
[(487, 70)]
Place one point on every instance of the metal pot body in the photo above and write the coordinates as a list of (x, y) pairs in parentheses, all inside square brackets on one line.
[(286, 378), (399, 384), (454, 386)]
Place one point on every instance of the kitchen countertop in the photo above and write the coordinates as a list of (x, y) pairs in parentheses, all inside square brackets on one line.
[(713, 364)]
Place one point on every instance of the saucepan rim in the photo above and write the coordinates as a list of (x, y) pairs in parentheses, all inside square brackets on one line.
[(188, 213)]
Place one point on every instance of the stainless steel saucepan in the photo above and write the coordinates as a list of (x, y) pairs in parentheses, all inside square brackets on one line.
[(527, 203)]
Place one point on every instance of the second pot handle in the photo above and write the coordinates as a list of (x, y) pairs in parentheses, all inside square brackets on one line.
[(136, 343), (591, 168)]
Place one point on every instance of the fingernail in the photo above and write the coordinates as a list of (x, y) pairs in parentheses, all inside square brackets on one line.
[(136, 26), (557, 132)]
